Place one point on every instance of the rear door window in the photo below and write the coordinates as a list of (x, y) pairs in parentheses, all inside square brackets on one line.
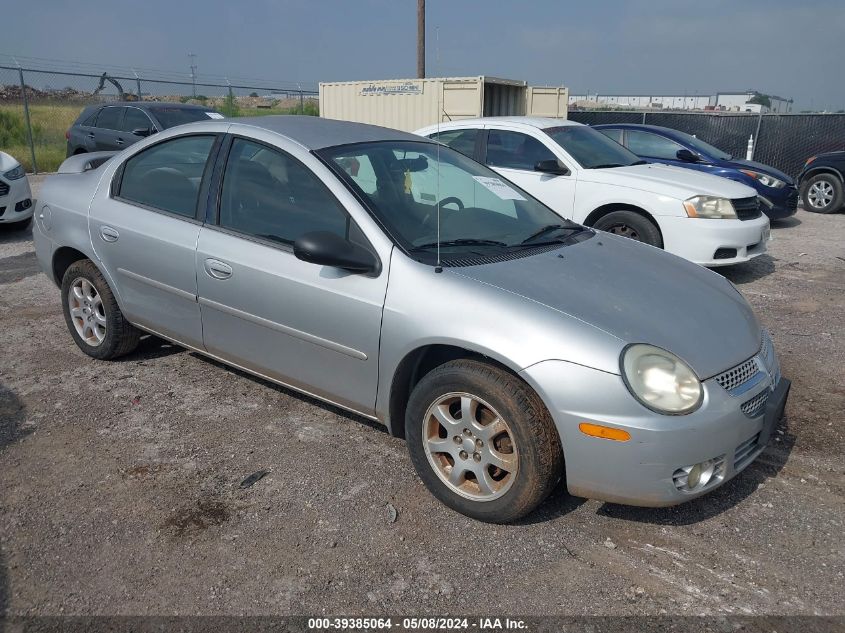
[(134, 119), (167, 176), (110, 118)]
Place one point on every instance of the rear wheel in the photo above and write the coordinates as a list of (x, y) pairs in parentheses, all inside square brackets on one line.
[(92, 315), (632, 225), (822, 194), (482, 441)]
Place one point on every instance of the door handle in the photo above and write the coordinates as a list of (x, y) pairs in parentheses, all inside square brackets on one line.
[(109, 234), (217, 269), (119, 141), (90, 135)]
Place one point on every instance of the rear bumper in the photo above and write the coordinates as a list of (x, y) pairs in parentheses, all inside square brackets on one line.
[(17, 205), (701, 240), (640, 471)]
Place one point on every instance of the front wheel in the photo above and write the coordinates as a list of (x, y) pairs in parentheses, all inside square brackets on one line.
[(482, 441), (822, 194), (92, 315), (632, 225)]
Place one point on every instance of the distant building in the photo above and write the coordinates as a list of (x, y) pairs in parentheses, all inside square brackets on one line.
[(729, 101)]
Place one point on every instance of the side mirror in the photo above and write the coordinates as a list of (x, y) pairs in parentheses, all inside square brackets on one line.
[(327, 249), (142, 131), (551, 166), (687, 156)]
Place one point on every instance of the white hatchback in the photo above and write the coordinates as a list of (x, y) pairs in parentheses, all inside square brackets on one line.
[(586, 177)]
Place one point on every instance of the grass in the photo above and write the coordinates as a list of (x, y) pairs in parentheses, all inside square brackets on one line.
[(51, 121)]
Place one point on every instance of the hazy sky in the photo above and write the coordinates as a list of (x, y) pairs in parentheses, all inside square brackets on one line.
[(790, 48)]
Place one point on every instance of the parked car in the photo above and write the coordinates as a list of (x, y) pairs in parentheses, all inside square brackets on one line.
[(15, 196), (399, 279), (114, 126), (664, 145), (821, 181), (586, 177)]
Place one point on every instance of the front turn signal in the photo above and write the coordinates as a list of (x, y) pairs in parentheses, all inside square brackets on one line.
[(604, 432)]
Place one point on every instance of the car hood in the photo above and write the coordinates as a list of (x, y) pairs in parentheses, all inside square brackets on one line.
[(668, 180), (738, 163), (638, 294)]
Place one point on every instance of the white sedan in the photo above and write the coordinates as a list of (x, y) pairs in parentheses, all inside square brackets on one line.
[(585, 176), (15, 197)]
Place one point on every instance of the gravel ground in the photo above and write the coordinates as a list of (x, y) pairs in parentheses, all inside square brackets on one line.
[(120, 487)]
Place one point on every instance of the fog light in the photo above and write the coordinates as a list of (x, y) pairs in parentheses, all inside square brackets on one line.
[(698, 476)]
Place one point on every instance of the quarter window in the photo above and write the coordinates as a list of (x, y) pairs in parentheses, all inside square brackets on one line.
[(514, 150), (271, 195), (462, 141), (167, 176), (109, 118), (652, 145)]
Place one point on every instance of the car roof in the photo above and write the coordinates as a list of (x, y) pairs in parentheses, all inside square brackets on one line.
[(530, 121), (317, 133), (640, 126)]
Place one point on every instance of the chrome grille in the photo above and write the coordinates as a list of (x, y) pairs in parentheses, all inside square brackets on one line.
[(747, 208), (739, 375), (754, 407), (744, 452)]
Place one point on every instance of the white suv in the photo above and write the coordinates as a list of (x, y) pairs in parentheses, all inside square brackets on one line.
[(585, 176)]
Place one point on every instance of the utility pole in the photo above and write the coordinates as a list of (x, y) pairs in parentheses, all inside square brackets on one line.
[(421, 39), (193, 57)]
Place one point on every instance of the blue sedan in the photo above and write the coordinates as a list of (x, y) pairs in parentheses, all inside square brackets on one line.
[(658, 144)]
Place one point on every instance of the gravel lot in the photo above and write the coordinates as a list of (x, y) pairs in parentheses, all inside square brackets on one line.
[(119, 486)]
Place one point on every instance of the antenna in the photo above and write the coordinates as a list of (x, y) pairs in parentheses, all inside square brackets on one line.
[(438, 269)]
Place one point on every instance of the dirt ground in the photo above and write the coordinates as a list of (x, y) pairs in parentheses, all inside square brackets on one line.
[(119, 486)]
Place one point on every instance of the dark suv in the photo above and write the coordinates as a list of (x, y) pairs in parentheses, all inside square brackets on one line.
[(113, 126), (821, 182)]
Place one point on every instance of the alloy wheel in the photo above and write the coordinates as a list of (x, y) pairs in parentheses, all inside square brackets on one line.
[(820, 194), (87, 312), (470, 446)]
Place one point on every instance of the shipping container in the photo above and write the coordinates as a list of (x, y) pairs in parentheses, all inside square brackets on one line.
[(409, 104)]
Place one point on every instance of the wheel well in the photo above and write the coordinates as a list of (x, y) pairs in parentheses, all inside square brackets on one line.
[(62, 259), (821, 170), (80, 151), (411, 370), (602, 211)]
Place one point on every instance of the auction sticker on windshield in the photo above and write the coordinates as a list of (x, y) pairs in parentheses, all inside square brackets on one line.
[(498, 187)]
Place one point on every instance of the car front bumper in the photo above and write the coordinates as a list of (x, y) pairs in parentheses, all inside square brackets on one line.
[(17, 205), (642, 471), (715, 242), (780, 203)]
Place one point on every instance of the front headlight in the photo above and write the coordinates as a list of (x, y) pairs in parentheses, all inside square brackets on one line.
[(710, 207), (15, 173), (660, 380), (764, 179)]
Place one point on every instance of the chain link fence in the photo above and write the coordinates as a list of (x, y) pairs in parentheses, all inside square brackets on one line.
[(38, 106), (784, 141)]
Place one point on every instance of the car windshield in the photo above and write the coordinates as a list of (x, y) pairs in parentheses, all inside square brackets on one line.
[(173, 116), (704, 148), (590, 148), (481, 213)]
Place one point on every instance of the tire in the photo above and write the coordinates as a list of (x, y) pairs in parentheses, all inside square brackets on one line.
[(822, 193), (526, 443), (632, 225), (20, 226), (97, 325)]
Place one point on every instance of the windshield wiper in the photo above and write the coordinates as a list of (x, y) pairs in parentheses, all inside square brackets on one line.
[(607, 166), (639, 162), (546, 229), (458, 242)]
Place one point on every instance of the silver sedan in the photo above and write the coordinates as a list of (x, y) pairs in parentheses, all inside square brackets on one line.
[(399, 279)]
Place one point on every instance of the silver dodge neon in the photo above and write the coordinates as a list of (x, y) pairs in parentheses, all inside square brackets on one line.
[(392, 276)]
